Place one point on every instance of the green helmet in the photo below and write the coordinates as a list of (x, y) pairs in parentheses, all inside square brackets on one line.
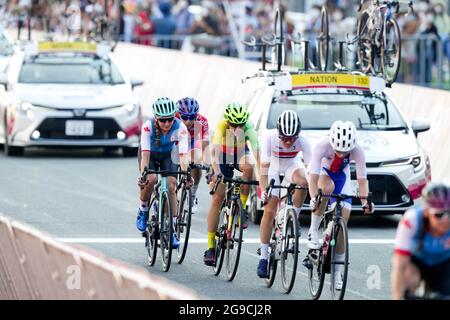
[(164, 107), (236, 113)]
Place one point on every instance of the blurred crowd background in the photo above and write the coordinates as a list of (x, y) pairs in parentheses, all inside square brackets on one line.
[(217, 27)]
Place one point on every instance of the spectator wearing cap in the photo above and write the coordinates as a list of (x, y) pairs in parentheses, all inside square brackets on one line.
[(166, 25)]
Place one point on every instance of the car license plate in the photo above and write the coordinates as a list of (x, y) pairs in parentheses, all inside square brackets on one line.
[(355, 187), (79, 128)]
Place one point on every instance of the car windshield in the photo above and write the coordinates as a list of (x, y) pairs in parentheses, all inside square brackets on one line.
[(6, 48), (69, 69), (319, 111)]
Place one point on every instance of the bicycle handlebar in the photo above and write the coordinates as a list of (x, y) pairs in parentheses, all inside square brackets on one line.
[(218, 180), (199, 166), (342, 196)]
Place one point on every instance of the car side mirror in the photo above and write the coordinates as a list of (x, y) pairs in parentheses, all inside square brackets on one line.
[(135, 82), (4, 80), (420, 125)]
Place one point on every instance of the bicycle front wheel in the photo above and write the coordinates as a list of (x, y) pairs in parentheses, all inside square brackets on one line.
[(272, 265), (339, 267), (151, 236), (391, 53), (324, 40), (234, 240), (166, 231), (184, 223), (289, 252), (315, 262), (221, 237)]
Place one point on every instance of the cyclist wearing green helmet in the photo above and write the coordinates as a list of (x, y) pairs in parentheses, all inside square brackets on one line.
[(229, 151), (164, 146)]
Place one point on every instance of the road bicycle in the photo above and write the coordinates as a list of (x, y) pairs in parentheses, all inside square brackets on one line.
[(159, 231), (230, 229), (323, 40), (323, 260), (284, 246), (378, 38), (183, 225)]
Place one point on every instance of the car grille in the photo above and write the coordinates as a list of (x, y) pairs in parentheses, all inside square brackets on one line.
[(54, 128)]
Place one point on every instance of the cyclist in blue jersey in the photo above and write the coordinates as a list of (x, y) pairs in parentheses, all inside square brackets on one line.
[(422, 245), (164, 146)]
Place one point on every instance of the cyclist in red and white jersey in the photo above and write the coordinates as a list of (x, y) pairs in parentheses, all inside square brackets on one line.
[(198, 129), (281, 154), (330, 171)]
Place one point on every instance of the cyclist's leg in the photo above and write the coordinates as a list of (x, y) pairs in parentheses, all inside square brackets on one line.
[(327, 185), (438, 279), (145, 195), (414, 273), (268, 217), (343, 185), (296, 174), (246, 165)]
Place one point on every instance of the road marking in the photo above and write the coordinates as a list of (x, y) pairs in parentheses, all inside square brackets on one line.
[(204, 240)]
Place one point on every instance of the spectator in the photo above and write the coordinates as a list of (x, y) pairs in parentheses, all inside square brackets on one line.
[(165, 25), (130, 8), (185, 19), (442, 23), (427, 46), (144, 26)]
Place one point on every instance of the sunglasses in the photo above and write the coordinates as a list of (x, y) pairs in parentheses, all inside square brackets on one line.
[(441, 214), (288, 139), (235, 125), (189, 118), (164, 120)]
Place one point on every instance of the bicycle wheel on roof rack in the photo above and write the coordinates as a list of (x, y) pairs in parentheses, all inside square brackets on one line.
[(365, 48), (391, 53), (323, 40), (278, 49)]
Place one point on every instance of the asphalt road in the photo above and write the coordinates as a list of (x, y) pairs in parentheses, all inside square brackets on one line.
[(83, 196)]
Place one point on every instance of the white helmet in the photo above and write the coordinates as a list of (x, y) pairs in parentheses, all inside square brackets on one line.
[(289, 124), (343, 136)]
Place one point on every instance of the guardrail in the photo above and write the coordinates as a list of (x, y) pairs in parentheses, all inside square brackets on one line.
[(34, 265)]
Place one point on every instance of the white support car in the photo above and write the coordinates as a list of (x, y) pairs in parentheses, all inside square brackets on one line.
[(398, 167), (68, 94)]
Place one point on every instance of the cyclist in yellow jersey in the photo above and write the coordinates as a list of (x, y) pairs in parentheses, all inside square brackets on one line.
[(229, 151)]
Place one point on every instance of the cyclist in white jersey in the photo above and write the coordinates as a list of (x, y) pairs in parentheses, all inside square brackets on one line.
[(281, 154), (329, 170)]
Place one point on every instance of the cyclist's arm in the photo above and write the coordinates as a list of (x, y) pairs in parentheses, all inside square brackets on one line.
[(145, 145), (398, 282), (215, 145), (361, 172), (306, 150), (252, 137), (205, 142), (314, 168), (403, 246), (183, 147), (266, 149)]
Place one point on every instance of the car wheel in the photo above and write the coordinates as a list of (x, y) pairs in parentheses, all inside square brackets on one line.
[(130, 152)]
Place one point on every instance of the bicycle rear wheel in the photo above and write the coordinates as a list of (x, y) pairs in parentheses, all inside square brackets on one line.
[(339, 231), (315, 262), (152, 235), (391, 53), (289, 253), (184, 223), (221, 240), (324, 40), (234, 240), (272, 265), (166, 232)]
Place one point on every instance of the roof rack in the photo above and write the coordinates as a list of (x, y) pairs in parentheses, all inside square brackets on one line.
[(355, 79)]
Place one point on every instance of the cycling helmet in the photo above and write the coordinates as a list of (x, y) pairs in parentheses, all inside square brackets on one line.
[(236, 113), (437, 195), (289, 124), (343, 136), (164, 107), (188, 106)]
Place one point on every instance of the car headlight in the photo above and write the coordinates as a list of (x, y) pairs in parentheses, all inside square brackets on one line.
[(129, 107), (26, 106), (415, 161)]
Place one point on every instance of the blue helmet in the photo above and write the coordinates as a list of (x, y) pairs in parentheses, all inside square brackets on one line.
[(188, 106)]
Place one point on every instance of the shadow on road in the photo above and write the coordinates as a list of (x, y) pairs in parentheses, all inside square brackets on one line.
[(372, 222), (74, 153)]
